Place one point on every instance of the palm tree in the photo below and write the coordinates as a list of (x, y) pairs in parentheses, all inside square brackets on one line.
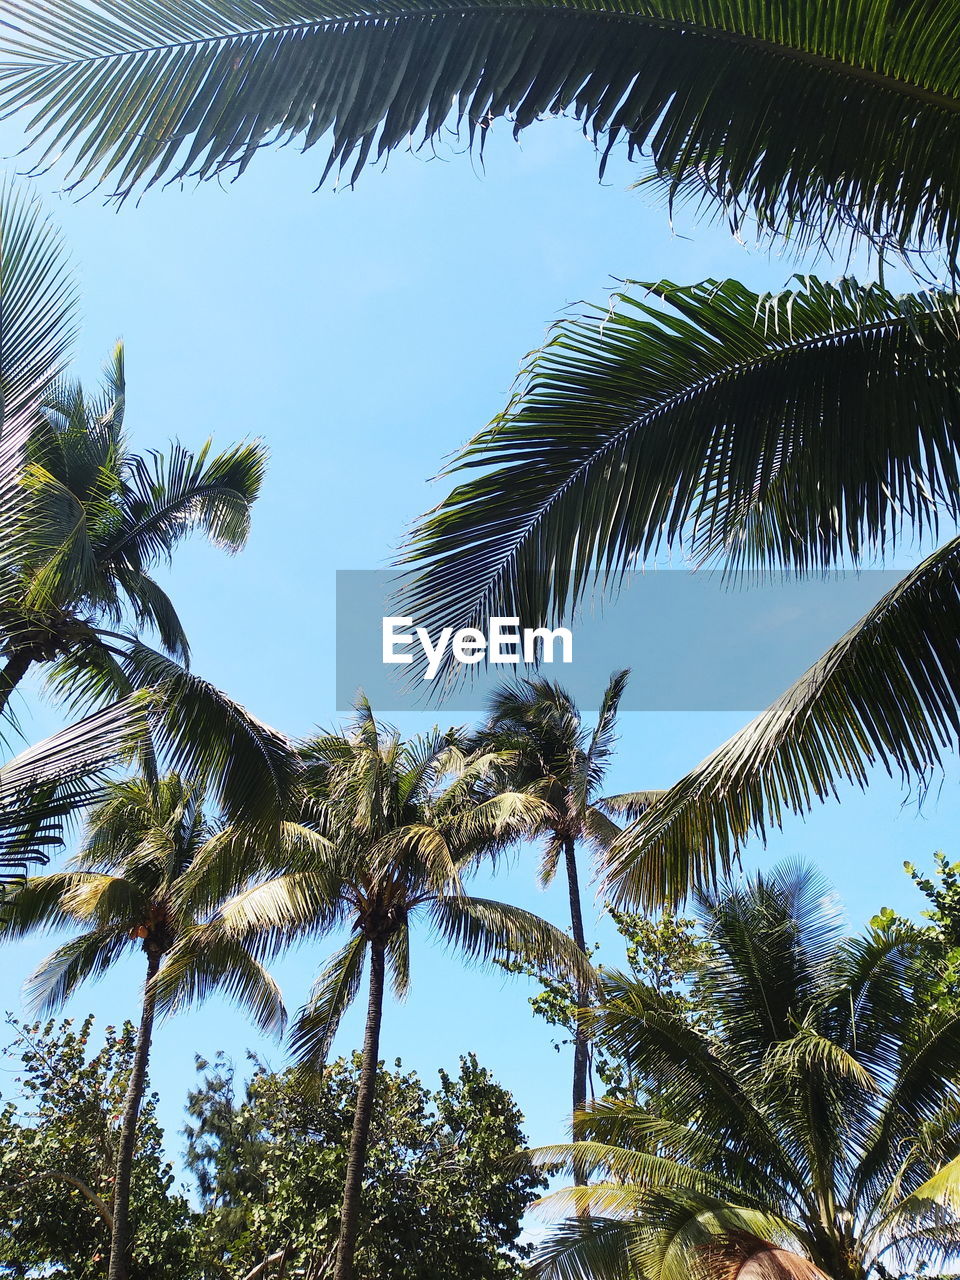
[(391, 831), (126, 889), (92, 519), (808, 120), (83, 522), (536, 726), (811, 1130), (804, 431)]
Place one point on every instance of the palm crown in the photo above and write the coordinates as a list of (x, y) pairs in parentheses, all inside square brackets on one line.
[(99, 518), (390, 831), (128, 889), (813, 1112)]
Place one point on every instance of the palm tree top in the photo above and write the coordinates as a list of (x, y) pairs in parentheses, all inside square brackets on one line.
[(390, 830), (128, 888), (815, 1111)]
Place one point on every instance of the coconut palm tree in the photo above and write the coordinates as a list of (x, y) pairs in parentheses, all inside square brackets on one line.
[(392, 830), (810, 1129), (808, 120), (549, 752), (92, 519), (83, 523), (126, 889)]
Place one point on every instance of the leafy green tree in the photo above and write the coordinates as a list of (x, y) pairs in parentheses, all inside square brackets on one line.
[(58, 1139), (128, 889), (391, 831), (549, 752), (936, 967), (812, 1124), (445, 1189), (809, 120), (667, 953)]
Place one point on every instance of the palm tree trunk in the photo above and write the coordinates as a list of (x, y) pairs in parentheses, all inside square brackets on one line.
[(121, 1236), (580, 1043), (357, 1159), (12, 672)]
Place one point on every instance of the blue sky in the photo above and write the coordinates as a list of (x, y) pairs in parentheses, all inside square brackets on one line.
[(365, 335)]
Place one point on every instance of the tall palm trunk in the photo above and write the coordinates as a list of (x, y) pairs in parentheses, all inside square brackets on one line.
[(580, 1044), (120, 1240), (12, 672), (357, 1159)]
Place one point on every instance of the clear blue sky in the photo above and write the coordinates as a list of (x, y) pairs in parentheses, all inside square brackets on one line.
[(365, 335)]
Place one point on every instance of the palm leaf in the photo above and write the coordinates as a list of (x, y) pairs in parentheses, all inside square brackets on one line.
[(141, 90), (251, 768), (37, 307), (43, 786), (333, 993), (586, 1248), (86, 957), (488, 931), (885, 693), (207, 959), (785, 430)]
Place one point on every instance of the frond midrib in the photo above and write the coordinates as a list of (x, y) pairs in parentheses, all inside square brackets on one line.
[(881, 80), (665, 406)]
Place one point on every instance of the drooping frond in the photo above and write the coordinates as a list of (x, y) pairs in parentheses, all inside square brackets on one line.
[(43, 786), (84, 958), (818, 117), (484, 931), (789, 429), (333, 993), (208, 960), (250, 768), (886, 693)]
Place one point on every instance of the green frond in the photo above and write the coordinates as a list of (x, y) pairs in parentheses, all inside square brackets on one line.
[(133, 93), (641, 1171), (82, 959), (207, 960), (167, 497), (250, 768), (586, 1248), (333, 992), (486, 931), (287, 906), (38, 301), (708, 417), (886, 692)]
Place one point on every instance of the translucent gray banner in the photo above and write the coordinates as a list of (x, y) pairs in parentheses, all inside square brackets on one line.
[(694, 641)]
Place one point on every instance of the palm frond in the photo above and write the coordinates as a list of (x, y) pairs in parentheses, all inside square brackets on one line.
[(37, 306), (42, 787), (207, 959), (168, 496), (586, 1248), (141, 91), (487, 931), (84, 958), (886, 692), (333, 993), (766, 429), (250, 768)]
